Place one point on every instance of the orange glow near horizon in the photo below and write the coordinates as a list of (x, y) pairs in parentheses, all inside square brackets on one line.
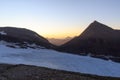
[(61, 35), (59, 32)]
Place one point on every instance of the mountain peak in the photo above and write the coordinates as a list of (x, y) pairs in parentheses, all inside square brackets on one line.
[(95, 21), (98, 27), (97, 39)]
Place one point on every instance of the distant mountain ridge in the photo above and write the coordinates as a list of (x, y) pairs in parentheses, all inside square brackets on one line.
[(98, 39), (22, 36), (59, 42)]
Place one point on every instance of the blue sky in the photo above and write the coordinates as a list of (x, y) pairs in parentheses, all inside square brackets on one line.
[(59, 18)]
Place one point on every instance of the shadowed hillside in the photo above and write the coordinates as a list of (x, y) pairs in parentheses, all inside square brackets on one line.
[(98, 39), (22, 36)]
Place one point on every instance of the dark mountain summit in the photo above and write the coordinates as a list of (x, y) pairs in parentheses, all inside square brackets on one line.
[(22, 36), (98, 39), (97, 30)]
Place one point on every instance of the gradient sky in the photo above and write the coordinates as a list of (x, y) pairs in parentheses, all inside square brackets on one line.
[(59, 18)]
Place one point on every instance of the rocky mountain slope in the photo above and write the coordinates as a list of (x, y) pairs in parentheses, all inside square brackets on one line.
[(97, 40), (22, 37), (25, 72)]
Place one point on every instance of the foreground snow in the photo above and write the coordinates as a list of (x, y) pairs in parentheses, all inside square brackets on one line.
[(58, 60)]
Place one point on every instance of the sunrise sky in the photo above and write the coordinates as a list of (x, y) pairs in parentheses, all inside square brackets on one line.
[(59, 18)]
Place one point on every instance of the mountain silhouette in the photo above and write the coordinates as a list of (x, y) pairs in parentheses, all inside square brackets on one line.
[(97, 39), (22, 36)]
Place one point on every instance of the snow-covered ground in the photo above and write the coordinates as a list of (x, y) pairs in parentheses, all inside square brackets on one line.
[(57, 60)]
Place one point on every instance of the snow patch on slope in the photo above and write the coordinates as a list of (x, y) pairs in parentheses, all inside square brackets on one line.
[(18, 45), (3, 33), (57, 60)]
